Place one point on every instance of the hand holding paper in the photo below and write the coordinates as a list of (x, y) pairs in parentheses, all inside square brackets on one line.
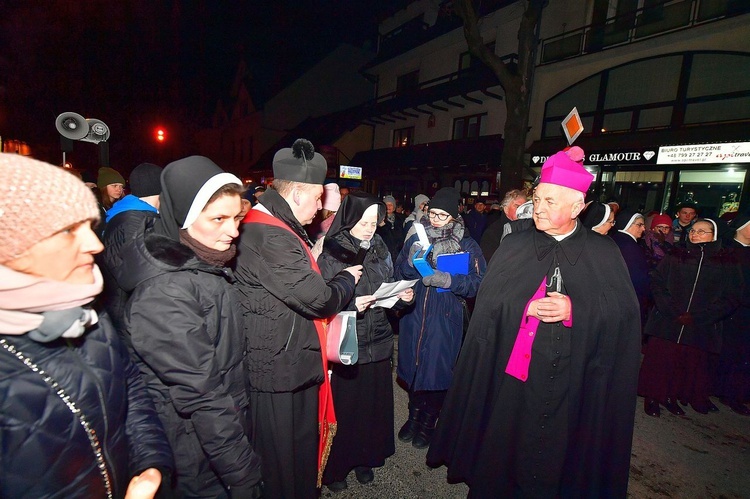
[(387, 294)]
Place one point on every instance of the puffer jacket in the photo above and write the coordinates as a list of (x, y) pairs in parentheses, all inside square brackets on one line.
[(701, 279), (183, 328), (430, 335), (281, 297), (374, 333), (44, 449), (122, 227)]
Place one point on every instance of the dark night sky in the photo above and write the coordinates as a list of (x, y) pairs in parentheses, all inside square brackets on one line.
[(136, 64)]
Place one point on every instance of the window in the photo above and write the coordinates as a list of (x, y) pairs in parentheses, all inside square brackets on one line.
[(469, 127), (407, 82), (467, 61), (403, 137)]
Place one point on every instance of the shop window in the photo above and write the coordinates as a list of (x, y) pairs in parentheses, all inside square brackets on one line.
[(403, 137), (657, 117), (625, 83), (717, 192), (469, 127)]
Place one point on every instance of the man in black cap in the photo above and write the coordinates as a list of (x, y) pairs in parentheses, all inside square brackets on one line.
[(126, 217), (286, 302)]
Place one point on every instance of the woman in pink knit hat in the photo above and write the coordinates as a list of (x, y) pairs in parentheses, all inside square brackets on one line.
[(75, 416)]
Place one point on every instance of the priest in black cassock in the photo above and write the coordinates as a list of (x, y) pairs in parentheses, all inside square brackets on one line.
[(543, 396)]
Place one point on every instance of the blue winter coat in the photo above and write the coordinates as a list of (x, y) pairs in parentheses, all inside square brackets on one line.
[(430, 335)]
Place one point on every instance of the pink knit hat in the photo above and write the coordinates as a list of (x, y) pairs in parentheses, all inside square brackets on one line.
[(331, 197), (560, 169), (37, 200)]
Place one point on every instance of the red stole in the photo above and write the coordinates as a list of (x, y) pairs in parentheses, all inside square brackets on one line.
[(326, 416)]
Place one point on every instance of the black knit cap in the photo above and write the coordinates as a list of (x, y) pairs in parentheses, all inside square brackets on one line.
[(145, 180), (300, 163), (446, 199)]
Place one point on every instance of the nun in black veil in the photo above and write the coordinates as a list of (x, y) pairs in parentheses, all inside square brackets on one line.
[(363, 392)]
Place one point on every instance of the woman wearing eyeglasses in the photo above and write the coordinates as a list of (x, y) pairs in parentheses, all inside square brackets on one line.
[(431, 333), (695, 289), (629, 228)]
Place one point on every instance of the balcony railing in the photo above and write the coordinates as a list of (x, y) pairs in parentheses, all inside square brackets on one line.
[(639, 25)]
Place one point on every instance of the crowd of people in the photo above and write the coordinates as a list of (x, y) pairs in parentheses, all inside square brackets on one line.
[(174, 341)]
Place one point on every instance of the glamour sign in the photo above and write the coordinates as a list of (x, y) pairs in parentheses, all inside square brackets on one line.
[(600, 158), (733, 152)]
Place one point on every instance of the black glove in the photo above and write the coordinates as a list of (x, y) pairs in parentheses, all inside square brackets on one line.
[(413, 251), (439, 279), (254, 491)]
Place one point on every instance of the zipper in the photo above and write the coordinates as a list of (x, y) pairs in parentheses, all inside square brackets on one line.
[(294, 321), (421, 329), (690, 301)]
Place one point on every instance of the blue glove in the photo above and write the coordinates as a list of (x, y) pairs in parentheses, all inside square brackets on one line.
[(439, 279)]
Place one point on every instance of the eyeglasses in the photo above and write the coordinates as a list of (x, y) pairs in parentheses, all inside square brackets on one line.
[(662, 227), (640, 224), (700, 232), (440, 216)]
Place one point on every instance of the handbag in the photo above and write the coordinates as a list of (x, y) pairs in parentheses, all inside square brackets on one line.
[(341, 341)]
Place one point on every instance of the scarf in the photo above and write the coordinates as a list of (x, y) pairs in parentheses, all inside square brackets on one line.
[(445, 240), (217, 258), (28, 301)]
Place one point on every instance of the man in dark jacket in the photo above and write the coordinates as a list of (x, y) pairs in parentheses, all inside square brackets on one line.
[(543, 398), (392, 230), (124, 220), (285, 302)]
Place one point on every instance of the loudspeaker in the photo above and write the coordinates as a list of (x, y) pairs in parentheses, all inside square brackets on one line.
[(98, 131), (72, 126)]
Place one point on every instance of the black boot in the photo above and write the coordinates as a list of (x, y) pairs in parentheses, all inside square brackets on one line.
[(412, 425), (422, 439)]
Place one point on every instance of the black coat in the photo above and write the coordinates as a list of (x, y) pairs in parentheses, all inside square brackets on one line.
[(184, 330), (44, 450), (281, 296), (374, 332), (567, 430), (121, 229), (492, 235), (393, 234), (635, 260), (708, 274)]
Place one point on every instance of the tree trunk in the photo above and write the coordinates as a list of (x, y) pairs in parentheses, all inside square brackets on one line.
[(515, 80)]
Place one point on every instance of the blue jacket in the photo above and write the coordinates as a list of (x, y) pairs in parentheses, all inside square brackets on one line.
[(128, 203), (430, 335)]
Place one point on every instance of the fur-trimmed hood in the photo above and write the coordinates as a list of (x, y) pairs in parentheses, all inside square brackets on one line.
[(150, 254)]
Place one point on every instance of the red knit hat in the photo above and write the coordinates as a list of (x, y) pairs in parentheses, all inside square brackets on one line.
[(661, 220), (38, 200)]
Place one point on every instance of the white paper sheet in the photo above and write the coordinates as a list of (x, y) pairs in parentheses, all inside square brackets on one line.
[(386, 293)]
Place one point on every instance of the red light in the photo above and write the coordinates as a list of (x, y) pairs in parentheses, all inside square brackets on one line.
[(160, 135)]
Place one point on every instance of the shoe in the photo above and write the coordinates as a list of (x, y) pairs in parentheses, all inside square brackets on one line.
[(409, 430), (700, 407), (651, 407), (712, 407), (424, 435), (337, 486), (672, 406), (364, 474)]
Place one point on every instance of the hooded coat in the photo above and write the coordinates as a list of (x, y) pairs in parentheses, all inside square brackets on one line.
[(567, 430), (701, 279), (183, 327)]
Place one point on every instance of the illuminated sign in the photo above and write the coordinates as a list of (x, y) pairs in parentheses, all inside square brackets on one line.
[(733, 152), (352, 172)]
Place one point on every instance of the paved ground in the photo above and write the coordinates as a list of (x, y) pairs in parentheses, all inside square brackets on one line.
[(692, 456)]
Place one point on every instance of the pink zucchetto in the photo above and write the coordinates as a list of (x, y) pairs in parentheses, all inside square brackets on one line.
[(560, 169)]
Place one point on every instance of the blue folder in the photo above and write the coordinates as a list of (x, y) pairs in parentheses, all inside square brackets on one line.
[(455, 263)]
